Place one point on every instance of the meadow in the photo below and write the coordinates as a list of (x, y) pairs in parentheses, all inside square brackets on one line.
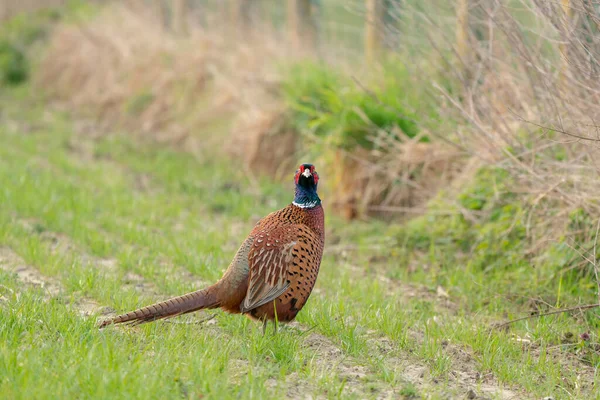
[(98, 219)]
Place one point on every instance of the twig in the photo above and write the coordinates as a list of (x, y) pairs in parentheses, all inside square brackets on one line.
[(563, 131), (306, 332), (563, 310), (595, 263), (558, 346)]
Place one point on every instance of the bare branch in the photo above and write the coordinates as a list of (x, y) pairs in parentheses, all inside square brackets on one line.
[(561, 311)]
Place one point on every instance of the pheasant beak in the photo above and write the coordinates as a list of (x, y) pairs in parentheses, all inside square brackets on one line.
[(306, 173)]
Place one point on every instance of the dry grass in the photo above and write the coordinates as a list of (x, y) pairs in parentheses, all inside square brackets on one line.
[(528, 96), (258, 132), (125, 69), (399, 180), (530, 99), (10, 8), (128, 70)]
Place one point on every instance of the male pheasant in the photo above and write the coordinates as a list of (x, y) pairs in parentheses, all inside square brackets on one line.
[(272, 273)]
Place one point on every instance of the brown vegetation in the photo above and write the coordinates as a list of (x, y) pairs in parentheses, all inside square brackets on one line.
[(10, 8), (124, 68)]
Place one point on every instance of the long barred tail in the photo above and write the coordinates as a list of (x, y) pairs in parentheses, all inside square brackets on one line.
[(187, 303)]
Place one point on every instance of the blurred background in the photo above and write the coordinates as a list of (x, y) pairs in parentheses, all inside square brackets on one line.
[(398, 98)]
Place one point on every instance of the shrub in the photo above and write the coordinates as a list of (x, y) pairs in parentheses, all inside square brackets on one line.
[(328, 103), (14, 67)]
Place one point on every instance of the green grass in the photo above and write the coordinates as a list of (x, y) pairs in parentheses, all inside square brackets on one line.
[(174, 219), (330, 104)]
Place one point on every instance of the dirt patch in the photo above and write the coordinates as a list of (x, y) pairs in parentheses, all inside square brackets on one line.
[(62, 244), (463, 381), (586, 373), (30, 276), (352, 373), (298, 388), (131, 279), (12, 263), (439, 298), (330, 357), (357, 378), (466, 373)]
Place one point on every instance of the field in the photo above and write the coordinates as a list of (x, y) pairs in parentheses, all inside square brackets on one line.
[(483, 290), (92, 226)]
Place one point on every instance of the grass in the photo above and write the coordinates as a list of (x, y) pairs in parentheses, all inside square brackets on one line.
[(330, 104), (121, 224)]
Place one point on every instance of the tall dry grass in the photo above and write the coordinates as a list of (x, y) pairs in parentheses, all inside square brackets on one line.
[(529, 100), (128, 69), (532, 97)]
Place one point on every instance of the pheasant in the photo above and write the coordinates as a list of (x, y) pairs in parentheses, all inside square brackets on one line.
[(273, 272)]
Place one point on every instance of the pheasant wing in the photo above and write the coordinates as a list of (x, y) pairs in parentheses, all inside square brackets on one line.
[(269, 260)]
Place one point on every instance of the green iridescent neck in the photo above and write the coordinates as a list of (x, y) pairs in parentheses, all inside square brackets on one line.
[(306, 197)]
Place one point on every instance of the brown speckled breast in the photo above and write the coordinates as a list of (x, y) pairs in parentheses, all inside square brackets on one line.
[(284, 262)]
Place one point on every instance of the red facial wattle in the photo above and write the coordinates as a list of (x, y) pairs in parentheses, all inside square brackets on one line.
[(302, 169)]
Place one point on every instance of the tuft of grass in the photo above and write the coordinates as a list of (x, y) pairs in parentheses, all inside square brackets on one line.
[(409, 392), (13, 64)]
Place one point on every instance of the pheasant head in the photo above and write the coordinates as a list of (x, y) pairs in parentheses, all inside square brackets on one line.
[(306, 179)]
